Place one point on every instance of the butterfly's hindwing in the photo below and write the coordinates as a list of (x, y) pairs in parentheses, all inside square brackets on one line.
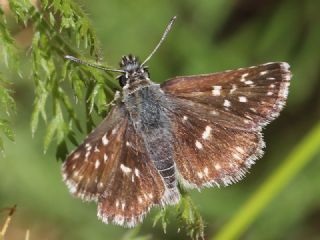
[(209, 154)]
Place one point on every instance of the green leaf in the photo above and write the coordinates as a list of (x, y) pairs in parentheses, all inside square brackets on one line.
[(51, 130), (7, 103), (190, 217), (163, 217), (52, 20), (5, 126), (39, 107)]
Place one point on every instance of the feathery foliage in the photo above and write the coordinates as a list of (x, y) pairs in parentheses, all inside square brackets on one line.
[(57, 25), (7, 103)]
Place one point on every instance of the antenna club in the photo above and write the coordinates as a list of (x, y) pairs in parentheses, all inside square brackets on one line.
[(164, 35)]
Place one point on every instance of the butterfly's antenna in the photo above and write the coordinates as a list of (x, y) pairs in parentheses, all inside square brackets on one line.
[(161, 40), (77, 60)]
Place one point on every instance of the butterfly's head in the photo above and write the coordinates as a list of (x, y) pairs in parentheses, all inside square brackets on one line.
[(133, 70)]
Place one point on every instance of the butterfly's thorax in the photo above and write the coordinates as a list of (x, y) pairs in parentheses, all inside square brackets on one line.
[(135, 84), (149, 117)]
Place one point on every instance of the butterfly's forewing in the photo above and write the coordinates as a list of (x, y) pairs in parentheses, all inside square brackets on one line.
[(217, 120), (245, 98), (134, 187), (112, 167)]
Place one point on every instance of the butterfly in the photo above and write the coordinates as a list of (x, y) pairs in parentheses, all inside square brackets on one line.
[(191, 131)]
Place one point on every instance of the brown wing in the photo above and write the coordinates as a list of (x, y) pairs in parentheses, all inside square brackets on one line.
[(112, 167), (217, 120), (207, 153), (84, 168), (134, 187), (243, 98)]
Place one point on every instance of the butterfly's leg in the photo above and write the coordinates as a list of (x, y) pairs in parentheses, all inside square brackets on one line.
[(117, 97)]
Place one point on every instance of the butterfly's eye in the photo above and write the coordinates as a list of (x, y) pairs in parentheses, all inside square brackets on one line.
[(122, 80), (146, 70)]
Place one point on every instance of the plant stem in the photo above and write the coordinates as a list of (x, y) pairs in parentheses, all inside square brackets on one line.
[(289, 168)]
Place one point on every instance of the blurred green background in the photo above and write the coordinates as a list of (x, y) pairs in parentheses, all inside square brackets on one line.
[(208, 36)]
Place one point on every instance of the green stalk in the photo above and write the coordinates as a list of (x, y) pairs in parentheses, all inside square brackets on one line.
[(290, 167)]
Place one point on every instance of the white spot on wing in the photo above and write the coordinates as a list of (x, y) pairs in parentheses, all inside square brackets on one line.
[(88, 146), (97, 164), (253, 109), (234, 87), (200, 174), (226, 103), (213, 112), (207, 133), (76, 155), (236, 156), (206, 171), (185, 118), (105, 140), (240, 149), (270, 93), (217, 166), (263, 73), (285, 66), (125, 169), (242, 99), (72, 187), (198, 144), (137, 172), (248, 82), (216, 90), (105, 157), (243, 77)]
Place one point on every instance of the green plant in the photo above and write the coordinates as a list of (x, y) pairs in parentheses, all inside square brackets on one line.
[(56, 26)]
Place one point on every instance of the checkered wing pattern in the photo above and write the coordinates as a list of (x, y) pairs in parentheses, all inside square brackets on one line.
[(217, 120), (111, 167)]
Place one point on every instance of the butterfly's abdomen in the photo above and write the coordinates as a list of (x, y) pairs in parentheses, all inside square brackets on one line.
[(150, 121)]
